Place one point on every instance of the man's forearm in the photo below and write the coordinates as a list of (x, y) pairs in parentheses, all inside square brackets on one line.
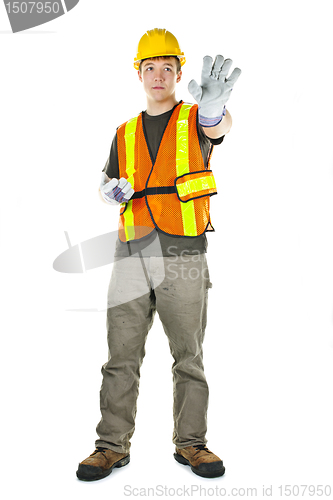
[(220, 129)]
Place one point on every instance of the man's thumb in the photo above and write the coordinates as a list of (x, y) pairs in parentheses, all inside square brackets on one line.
[(195, 90)]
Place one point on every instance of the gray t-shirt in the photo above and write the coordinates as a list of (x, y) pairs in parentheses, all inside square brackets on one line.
[(170, 245)]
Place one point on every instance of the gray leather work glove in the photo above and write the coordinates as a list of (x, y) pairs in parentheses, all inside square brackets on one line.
[(115, 191), (215, 89)]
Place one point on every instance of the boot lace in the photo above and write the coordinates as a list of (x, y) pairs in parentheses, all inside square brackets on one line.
[(201, 447), (100, 450)]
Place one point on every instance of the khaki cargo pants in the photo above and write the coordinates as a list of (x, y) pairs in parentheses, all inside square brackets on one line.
[(177, 288)]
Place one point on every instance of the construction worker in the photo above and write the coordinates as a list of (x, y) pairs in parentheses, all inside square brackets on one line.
[(158, 173)]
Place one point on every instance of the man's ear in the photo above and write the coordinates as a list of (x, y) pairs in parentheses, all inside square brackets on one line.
[(139, 75), (179, 76)]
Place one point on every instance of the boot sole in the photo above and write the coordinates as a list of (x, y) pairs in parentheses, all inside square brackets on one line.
[(214, 473), (91, 473)]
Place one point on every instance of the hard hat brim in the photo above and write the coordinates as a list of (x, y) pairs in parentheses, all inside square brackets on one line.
[(181, 58)]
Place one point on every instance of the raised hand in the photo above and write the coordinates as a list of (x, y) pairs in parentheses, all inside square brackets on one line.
[(215, 89)]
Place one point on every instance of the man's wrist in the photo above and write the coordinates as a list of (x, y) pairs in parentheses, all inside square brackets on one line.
[(211, 122)]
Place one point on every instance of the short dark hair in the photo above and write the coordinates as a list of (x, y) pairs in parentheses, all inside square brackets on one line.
[(179, 66)]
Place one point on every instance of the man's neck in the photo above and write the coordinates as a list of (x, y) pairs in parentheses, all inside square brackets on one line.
[(158, 108)]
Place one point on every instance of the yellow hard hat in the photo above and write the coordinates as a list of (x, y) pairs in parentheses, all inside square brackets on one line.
[(158, 42)]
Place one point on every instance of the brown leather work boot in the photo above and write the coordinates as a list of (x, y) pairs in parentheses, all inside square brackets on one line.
[(202, 461), (100, 464)]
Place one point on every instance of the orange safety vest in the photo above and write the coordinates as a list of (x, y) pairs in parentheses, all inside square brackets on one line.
[(173, 193)]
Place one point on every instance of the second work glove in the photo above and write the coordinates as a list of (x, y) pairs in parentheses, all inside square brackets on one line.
[(115, 191), (215, 89)]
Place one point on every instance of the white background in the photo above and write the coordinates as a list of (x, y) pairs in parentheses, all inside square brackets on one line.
[(268, 351)]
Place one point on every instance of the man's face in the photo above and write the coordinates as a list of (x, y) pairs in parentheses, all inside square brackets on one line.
[(159, 78)]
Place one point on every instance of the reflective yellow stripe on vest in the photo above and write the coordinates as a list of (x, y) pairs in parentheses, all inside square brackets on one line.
[(182, 167), (130, 129), (195, 185)]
